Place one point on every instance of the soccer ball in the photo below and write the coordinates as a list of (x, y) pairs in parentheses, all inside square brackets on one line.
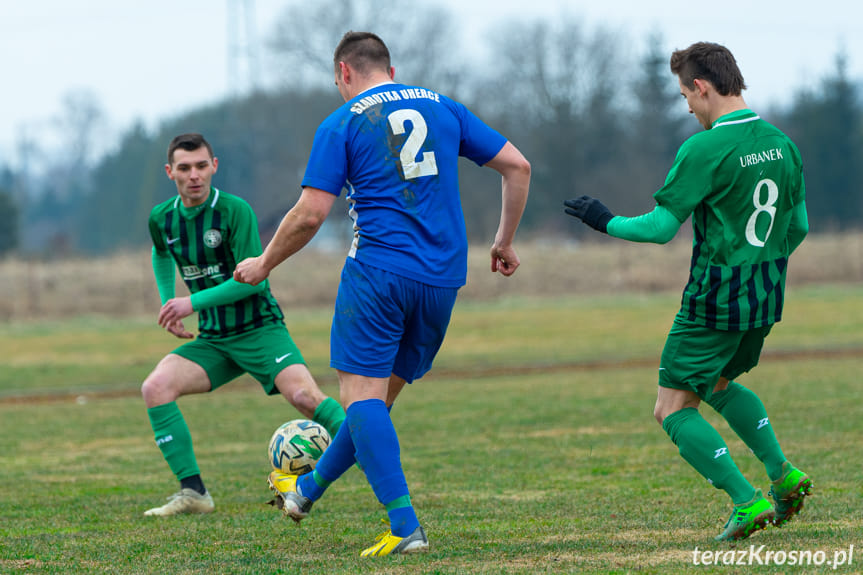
[(296, 446)]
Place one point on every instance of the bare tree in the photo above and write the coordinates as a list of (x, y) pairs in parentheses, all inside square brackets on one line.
[(554, 91), (424, 47), (79, 125), (8, 223), (549, 70)]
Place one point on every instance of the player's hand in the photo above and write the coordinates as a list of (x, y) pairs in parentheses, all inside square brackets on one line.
[(179, 330), (174, 310), (251, 271), (591, 211), (504, 260)]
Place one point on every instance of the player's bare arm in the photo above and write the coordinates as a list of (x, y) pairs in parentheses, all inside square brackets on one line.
[(515, 184), (297, 228)]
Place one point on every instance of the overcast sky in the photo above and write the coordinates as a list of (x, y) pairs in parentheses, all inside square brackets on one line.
[(126, 52)]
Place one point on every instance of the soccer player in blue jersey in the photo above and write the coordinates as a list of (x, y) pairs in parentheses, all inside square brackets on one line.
[(395, 148), (203, 232), (741, 180)]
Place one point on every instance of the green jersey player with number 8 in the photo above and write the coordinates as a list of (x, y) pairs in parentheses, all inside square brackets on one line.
[(741, 180)]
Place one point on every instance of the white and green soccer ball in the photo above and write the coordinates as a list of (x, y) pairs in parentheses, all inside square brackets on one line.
[(296, 446)]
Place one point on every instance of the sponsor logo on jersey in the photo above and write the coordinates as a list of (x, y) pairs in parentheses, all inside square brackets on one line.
[(196, 273), (212, 238)]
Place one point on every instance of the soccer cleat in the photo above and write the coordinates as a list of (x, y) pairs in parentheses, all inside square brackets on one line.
[(388, 544), (788, 492), (747, 519), (288, 498), (184, 501)]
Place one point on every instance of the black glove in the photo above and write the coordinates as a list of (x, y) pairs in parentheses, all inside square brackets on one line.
[(591, 211)]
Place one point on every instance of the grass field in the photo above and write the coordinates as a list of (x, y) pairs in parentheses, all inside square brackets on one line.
[(531, 448)]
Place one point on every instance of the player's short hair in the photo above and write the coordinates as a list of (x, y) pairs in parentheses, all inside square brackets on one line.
[(363, 51), (708, 61), (188, 142)]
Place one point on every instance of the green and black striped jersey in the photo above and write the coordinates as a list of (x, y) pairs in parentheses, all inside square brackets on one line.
[(740, 181), (207, 242)]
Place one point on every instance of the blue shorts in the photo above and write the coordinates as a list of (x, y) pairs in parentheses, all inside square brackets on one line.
[(387, 324)]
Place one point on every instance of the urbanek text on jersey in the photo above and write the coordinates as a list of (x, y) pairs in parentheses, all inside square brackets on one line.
[(766, 156)]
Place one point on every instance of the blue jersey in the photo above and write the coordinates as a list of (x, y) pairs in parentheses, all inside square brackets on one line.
[(395, 148)]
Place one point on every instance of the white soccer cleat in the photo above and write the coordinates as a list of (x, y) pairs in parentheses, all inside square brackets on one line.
[(184, 501)]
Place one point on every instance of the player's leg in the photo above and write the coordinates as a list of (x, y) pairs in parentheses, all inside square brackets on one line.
[(699, 443), (339, 456), (746, 415), (351, 343), (297, 385), (425, 324), (172, 378), (691, 361), (270, 355), (379, 454), (296, 495), (382, 327)]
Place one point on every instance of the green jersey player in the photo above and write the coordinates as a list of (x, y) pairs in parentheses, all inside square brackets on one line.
[(204, 232), (741, 180)]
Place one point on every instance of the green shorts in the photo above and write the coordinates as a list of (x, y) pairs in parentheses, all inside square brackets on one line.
[(262, 353), (695, 357)]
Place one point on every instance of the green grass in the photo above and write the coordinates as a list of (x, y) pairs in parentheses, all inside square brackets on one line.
[(530, 449)]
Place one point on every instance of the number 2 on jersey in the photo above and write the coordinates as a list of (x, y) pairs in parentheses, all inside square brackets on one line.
[(410, 167)]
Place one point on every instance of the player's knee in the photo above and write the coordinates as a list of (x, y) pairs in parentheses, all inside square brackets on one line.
[(299, 395), (158, 389), (658, 414), (298, 387), (151, 388)]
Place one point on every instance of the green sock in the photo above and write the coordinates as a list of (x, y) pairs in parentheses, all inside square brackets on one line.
[(330, 414), (705, 450), (173, 438), (745, 413)]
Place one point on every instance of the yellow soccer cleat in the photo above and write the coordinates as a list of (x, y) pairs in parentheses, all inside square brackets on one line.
[(288, 499), (388, 544)]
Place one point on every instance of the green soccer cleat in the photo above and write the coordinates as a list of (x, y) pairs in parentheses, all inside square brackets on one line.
[(388, 544), (288, 498), (788, 492), (184, 501), (747, 519)]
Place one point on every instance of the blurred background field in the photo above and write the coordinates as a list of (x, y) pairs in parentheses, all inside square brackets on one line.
[(122, 285), (530, 448), (88, 325)]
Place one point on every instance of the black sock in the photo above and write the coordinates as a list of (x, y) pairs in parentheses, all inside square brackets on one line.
[(193, 482)]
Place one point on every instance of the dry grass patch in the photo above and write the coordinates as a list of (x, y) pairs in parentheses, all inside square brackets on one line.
[(122, 284)]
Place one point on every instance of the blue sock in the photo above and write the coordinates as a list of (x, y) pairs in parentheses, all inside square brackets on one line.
[(337, 458), (377, 450)]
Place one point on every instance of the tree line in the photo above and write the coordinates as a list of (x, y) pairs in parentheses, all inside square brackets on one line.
[(554, 90)]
